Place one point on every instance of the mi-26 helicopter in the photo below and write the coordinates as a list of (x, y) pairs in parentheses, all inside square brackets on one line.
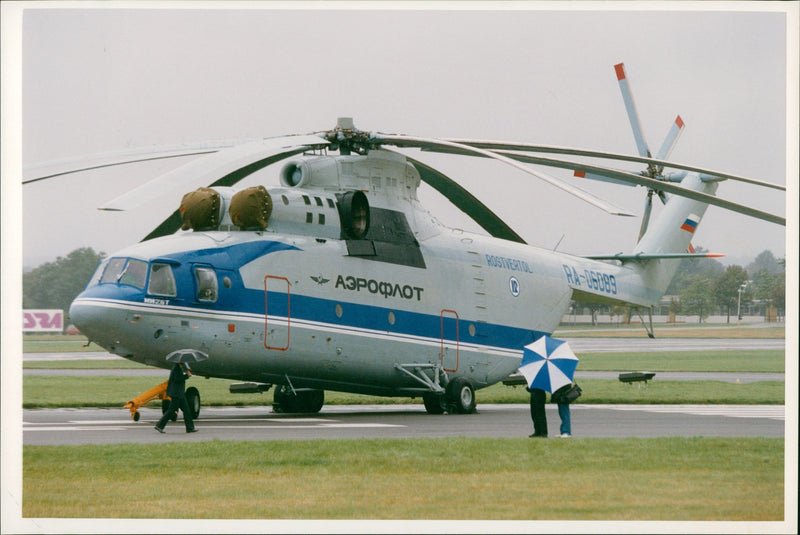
[(340, 279)]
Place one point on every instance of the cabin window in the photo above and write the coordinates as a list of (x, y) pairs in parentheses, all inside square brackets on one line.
[(162, 280), (206, 284)]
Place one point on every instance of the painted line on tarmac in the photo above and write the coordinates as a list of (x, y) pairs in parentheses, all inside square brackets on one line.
[(294, 423), (771, 412)]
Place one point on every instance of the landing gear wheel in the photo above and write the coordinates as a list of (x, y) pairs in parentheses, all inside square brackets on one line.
[(434, 403), (313, 400), (164, 406), (193, 400), (460, 396), (302, 401)]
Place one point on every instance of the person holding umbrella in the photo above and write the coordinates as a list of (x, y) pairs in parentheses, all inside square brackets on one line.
[(176, 390), (548, 364), (559, 398), (538, 397)]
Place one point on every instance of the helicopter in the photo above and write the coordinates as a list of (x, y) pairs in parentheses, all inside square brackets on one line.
[(340, 279)]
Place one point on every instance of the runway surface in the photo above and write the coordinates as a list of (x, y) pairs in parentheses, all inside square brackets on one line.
[(110, 426), (727, 377)]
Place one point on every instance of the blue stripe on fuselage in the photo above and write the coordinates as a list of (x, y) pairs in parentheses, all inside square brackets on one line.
[(231, 257), (305, 308)]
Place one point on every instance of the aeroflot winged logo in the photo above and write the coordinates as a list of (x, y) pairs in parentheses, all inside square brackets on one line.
[(320, 280)]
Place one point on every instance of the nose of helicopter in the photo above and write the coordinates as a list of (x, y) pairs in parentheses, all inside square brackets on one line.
[(83, 315)]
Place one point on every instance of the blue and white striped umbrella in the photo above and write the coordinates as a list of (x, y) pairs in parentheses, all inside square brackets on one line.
[(548, 364)]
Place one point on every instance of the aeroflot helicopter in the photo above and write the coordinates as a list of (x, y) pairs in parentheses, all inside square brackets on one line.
[(340, 279)]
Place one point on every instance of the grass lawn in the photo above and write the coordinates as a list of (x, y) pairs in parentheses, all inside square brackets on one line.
[(94, 391), (456, 479), (684, 330)]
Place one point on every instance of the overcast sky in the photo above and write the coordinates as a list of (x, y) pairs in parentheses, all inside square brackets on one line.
[(97, 80)]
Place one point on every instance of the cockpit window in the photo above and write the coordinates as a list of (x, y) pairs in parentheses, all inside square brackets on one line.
[(113, 271), (98, 273), (206, 284), (135, 273), (162, 280), (125, 271)]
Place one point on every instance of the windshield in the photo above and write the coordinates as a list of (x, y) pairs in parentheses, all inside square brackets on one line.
[(125, 271), (98, 273)]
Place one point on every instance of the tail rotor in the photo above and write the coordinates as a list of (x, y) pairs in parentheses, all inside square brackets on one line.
[(653, 171)]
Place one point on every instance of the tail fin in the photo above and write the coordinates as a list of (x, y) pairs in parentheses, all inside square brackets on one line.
[(673, 231)]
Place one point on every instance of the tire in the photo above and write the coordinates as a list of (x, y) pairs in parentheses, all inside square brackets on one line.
[(434, 403), (303, 402), (460, 396), (193, 400), (280, 400), (311, 401)]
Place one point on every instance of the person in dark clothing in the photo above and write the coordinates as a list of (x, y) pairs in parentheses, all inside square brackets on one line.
[(176, 391), (538, 398)]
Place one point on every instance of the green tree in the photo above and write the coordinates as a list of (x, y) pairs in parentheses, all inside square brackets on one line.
[(689, 267), (778, 294), (698, 296), (766, 261), (56, 284), (726, 288)]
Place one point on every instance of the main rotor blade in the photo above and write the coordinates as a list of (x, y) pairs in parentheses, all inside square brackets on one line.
[(466, 202), (417, 142), (173, 222), (658, 185), (549, 149), (208, 168), (56, 168)]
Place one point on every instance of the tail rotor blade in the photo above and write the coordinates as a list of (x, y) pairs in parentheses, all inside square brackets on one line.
[(648, 206), (630, 107), (672, 138)]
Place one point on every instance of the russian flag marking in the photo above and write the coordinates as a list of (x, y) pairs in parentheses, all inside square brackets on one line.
[(690, 225)]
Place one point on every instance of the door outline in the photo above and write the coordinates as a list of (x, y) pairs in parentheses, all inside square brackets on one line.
[(266, 313), (451, 314)]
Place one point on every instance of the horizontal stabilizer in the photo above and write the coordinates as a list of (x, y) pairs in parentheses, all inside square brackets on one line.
[(652, 256)]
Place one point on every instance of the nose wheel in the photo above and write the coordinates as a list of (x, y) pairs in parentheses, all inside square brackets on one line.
[(458, 398)]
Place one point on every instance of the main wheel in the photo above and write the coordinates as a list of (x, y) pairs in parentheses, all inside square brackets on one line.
[(311, 401), (434, 403), (303, 401), (193, 400), (460, 396)]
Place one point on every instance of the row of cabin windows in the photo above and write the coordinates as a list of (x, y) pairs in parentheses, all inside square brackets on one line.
[(132, 272)]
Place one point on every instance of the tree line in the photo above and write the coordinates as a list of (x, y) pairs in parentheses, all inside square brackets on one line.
[(701, 286), (705, 287)]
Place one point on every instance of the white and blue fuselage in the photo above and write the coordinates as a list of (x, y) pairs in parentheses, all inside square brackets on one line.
[(392, 314)]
